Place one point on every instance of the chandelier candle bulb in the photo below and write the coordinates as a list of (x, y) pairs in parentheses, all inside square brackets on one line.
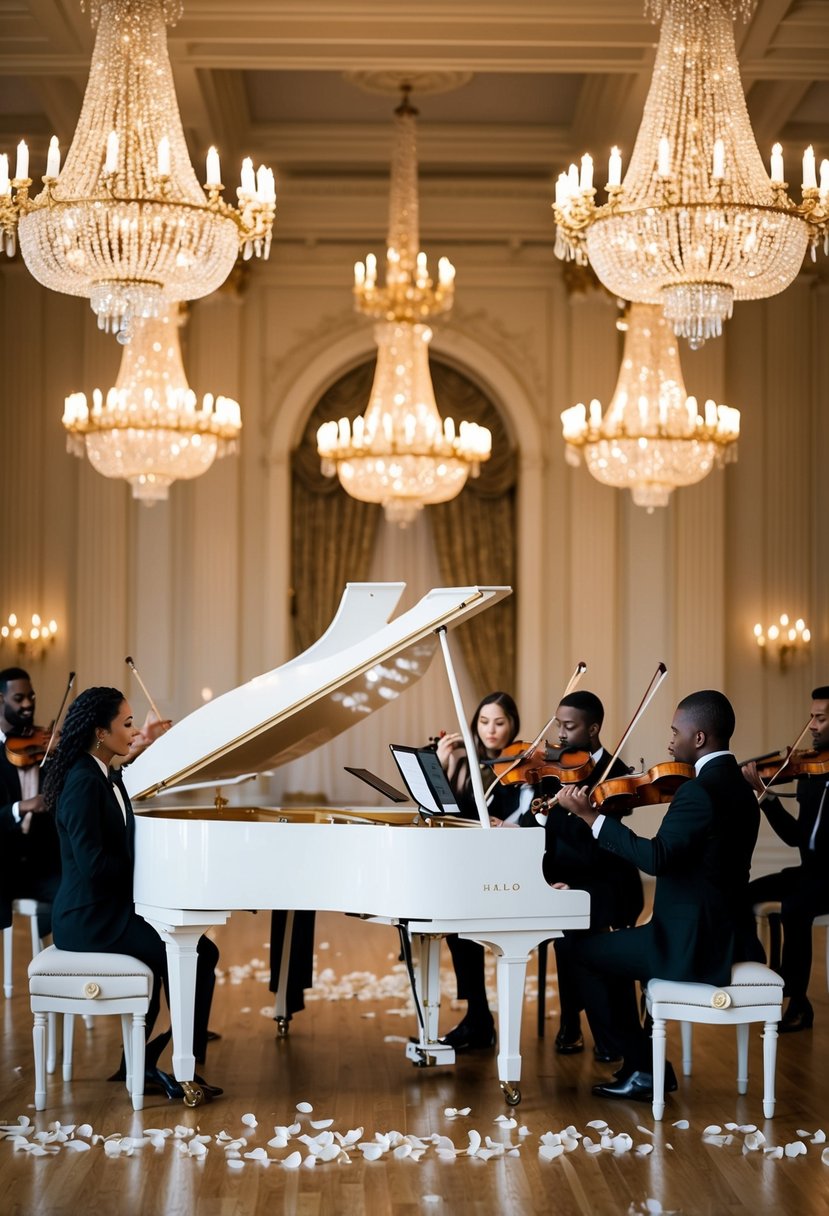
[(371, 269), (163, 159), (614, 170), (21, 171), (718, 169), (213, 169), (359, 274), (53, 158), (248, 177), (663, 159), (809, 178), (777, 173), (111, 162), (5, 184), (586, 176), (824, 179)]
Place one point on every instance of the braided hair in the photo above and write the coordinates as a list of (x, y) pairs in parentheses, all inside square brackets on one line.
[(94, 708)]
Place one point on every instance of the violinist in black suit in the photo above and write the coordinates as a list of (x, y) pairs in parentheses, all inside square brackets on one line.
[(93, 909), (29, 853), (701, 857), (803, 890), (614, 883)]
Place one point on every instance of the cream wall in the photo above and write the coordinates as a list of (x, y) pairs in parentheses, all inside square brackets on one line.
[(198, 589)]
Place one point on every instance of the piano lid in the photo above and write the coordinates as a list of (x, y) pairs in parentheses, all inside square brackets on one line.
[(361, 662)]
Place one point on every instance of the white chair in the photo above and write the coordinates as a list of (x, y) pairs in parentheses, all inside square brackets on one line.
[(755, 994), (63, 981), (20, 907), (769, 929)]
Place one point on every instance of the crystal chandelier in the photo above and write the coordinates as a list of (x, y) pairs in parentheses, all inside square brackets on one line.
[(125, 221), (400, 453), (697, 222), (651, 438), (150, 429)]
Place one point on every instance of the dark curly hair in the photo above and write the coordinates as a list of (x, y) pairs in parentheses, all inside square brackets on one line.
[(94, 708)]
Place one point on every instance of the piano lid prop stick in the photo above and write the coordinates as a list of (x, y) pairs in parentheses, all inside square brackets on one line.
[(129, 662), (466, 733), (581, 668), (71, 681), (658, 677)]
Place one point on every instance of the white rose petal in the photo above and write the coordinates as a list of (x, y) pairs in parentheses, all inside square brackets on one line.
[(682, 1124), (304, 1108), (774, 1153), (372, 1151), (824, 1156), (316, 1123), (713, 1129), (250, 1120), (819, 1137), (548, 1152), (642, 1150), (234, 1163), (796, 1149), (292, 1161), (474, 1142)]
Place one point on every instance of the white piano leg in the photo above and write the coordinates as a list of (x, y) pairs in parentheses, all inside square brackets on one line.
[(512, 951), (427, 1051)]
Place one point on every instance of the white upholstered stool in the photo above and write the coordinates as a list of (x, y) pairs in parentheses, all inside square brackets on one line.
[(69, 982), (755, 994), (769, 930)]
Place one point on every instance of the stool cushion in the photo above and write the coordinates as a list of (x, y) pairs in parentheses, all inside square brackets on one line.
[(751, 984), (88, 976)]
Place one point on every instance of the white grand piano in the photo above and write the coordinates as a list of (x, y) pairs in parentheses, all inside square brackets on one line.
[(195, 866)]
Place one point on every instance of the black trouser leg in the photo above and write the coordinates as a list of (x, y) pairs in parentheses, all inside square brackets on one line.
[(468, 961)]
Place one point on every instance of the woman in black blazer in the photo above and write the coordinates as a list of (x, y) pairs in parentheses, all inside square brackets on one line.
[(93, 908)]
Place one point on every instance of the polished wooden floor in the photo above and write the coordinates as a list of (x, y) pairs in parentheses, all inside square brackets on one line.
[(344, 1055)]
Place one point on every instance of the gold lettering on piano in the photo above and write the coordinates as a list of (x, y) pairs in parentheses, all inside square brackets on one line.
[(499, 888)]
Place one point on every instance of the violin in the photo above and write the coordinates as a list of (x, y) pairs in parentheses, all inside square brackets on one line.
[(621, 794), (28, 748), (570, 765), (778, 768), (650, 788)]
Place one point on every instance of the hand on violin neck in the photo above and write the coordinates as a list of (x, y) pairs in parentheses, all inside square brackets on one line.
[(576, 800)]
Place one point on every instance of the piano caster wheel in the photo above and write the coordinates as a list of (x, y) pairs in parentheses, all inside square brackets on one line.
[(193, 1096), (282, 1027), (512, 1094)]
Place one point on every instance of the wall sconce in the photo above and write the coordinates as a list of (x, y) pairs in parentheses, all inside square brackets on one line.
[(783, 640), (32, 641)]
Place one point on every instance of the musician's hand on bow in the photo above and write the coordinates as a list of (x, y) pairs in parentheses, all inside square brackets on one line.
[(559, 886), (576, 800), (753, 777), (450, 752), (495, 822)]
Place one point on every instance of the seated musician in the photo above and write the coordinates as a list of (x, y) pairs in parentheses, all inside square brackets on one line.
[(701, 858), (614, 883), (93, 908), (29, 852), (803, 890), (494, 725)]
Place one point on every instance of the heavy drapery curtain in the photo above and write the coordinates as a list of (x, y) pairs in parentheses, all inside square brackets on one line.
[(333, 536)]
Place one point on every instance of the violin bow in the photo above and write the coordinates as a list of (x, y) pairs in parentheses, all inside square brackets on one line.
[(767, 784), (69, 684), (578, 672), (129, 662), (658, 676)]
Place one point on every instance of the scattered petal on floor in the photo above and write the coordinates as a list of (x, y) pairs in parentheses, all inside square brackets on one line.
[(233, 1163), (819, 1137), (506, 1121), (304, 1108), (643, 1150), (278, 1142), (292, 1161), (682, 1124), (320, 1122), (548, 1152), (796, 1149), (774, 1153), (713, 1129), (824, 1156), (256, 1154), (372, 1151), (753, 1141), (250, 1120)]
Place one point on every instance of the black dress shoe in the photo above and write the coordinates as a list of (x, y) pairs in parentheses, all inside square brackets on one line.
[(799, 1016), (636, 1086), (606, 1055), (156, 1081), (467, 1036), (210, 1091), (569, 1041)]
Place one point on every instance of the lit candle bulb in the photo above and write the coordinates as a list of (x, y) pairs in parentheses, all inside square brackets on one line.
[(663, 160), (359, 274), (573, 179), (595, 414), (446, 272), (111, 162), (718, 170), (53, 158), (22, 168), (809, 179), (824, 177), (777, 165), (586, 177), (214, 172), (248, 177), (371, 269), (422, 271), (5, 185), (164, 157), (614, 170)]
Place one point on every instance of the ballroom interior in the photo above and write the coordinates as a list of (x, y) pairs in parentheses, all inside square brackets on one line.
[(241, 568)]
